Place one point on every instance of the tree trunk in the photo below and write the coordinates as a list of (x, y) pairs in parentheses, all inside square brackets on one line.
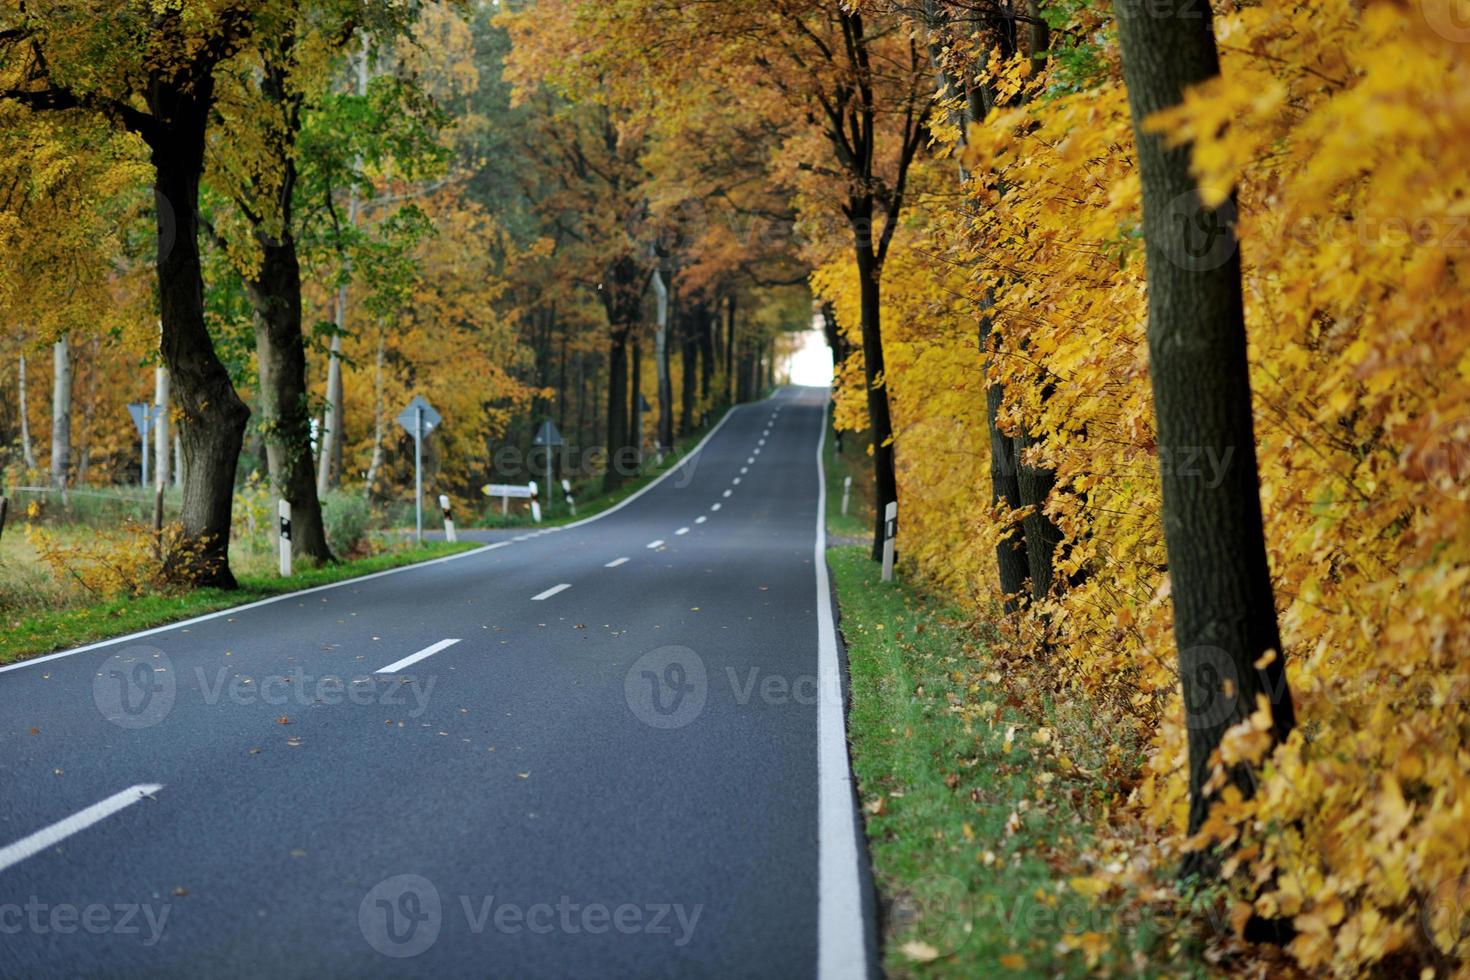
[(27, 450), (730, 352), (332, 412), (1011, 555), (379, 422), (885, 481), (635, 421), (622, 299), (661, 365), (61, 416), (213, 415), (1224, 610), (707, 317), (280, 349), (688, 374)]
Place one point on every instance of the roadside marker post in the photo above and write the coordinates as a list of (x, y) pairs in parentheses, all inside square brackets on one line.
[(419, 418), (448, 519), (566, 488), (846, 491), (283, 509), (890, 531), (535, 503)]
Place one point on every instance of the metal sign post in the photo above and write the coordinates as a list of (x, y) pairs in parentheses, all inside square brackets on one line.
[(419, 418), (144, 416), (549, 439)]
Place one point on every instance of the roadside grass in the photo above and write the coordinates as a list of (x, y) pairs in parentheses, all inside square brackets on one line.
[(35, 631), (980, 786), (850, 461)]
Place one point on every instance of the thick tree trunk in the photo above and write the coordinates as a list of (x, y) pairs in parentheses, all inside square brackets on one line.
[(61, 415), (27, 449), (1012, 554), (622, 299), (213, 415), (327, 452), (707, 317), (661, 365), (1224, 610), (635, 422), (281, 352), (885, 480), (688, 379), (730, 351)]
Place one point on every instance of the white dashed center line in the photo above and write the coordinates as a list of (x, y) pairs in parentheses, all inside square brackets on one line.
[(616, 562), (714, 506), (728, 492), (750, 461), (744, 470), (700, 519), (655, 544), (551, 592), (736, 481), (682, 530), (77, 822), (414, 658)]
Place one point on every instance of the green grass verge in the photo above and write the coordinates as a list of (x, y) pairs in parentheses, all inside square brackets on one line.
[(39, 633), (969, 818)]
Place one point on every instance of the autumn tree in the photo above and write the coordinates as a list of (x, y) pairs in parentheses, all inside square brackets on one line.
[(158, 82), (1230, 654)]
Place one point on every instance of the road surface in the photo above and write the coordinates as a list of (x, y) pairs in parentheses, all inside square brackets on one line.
[(614, 749)]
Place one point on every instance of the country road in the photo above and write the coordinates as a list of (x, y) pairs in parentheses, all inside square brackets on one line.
[(612, 749)]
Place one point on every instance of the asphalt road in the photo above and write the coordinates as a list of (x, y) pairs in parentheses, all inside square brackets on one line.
[(621, 755)]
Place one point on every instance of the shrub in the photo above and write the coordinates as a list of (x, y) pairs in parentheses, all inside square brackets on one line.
[(347, 518)]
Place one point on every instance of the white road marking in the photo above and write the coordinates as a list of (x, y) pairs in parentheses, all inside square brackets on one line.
[(77, 822), (234, 611), (714, 506), (682, 530), (700, 519), (414, 658), (750, 461), (744, 470), (757, 451), (655, 544), (728, 492), (616, 562), (842, 949), (736, 481), (766, 433), (551, 592), (761, 443)]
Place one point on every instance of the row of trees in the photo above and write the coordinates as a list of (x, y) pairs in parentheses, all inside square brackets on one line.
[(303, 211), (1051, 223)]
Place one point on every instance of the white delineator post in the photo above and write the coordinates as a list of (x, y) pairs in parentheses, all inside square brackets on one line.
[(566, 489), (448, 519), (890, 531), (535, 504), (846, 491), (284, 536)]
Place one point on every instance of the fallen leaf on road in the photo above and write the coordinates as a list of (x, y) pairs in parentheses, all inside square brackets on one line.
[(283, 720)]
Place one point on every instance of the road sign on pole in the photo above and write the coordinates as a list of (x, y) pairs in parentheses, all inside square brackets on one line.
[(419, 418), (549, 439), (145, 415)]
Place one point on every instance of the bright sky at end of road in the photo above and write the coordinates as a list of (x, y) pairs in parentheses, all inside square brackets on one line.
[(811, 362)]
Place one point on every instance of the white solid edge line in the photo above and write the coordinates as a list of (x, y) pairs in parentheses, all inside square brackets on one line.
[(538, 597), (414, 658), (655, 544), (700, 519), (236, 610), (616, 562), (682, 530), (77, 822), (842, 948)]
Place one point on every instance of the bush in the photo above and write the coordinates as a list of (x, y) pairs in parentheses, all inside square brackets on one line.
[(131, 560), (347, 518)]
